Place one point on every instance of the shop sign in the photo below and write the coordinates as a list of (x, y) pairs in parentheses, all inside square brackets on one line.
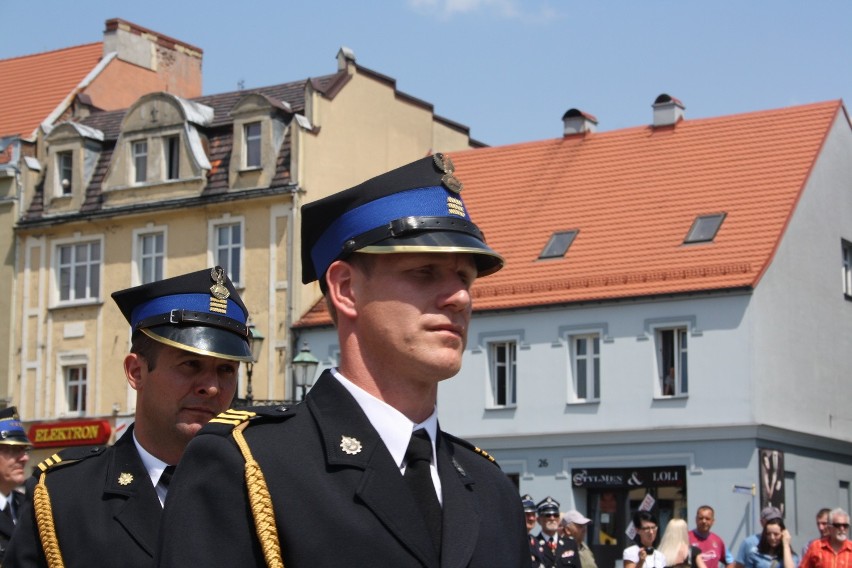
[(61, 434), (663, 476)]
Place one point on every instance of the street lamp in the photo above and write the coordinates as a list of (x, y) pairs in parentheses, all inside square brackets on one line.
[(256, 342), (304, 367)]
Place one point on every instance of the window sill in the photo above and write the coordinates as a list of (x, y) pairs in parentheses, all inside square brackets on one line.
[(499, 408), (671, 397), (76, 304), (584, 402), (249, 169)]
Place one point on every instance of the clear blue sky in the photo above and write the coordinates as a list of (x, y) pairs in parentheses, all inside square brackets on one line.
[(508, 69)]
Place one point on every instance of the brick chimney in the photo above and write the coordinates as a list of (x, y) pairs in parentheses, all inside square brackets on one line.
[(176, 63), (667, 111), (576, 121)]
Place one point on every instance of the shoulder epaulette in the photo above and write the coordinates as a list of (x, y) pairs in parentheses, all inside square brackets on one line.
[(471, 447), (68, 456), (226, 421)]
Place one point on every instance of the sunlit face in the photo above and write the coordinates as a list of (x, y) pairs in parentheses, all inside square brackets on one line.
[(182, 393), (647, 533), (13, 458), (838, 529), (704, 520), (529, 516), (549, 522), (773, 534), (413, 312)]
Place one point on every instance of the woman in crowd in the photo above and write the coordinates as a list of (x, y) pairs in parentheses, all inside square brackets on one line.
[(773, 550), (642, 554), (676, 548)]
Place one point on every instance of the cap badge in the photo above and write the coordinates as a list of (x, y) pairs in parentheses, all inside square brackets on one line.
[(125, 479), (219, 291), (445, 164), (350, 445)]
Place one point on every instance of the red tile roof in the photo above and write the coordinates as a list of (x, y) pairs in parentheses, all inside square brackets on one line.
[(633, 194), (34, 85)]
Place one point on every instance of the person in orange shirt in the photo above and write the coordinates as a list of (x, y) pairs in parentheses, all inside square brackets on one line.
[(834, 550)]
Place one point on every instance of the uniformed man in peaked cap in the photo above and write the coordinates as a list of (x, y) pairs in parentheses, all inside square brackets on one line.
[(14, 455), (360, 474), (554, 548), (189, 336)]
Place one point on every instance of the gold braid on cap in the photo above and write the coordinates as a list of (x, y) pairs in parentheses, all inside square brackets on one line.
[(261, 503), (46, 527)]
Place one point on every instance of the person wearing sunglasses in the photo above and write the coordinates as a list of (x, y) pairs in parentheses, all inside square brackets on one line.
[(833, 550)]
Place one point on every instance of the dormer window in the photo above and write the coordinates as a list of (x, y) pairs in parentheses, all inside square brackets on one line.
[(140, 160), (252, 144), (171, 151), (65, 171)]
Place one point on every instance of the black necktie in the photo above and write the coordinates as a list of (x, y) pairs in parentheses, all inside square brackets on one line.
[(7, 510), (418, 457), (166, 476)]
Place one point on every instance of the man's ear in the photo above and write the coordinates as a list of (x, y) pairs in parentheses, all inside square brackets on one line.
[(341, 287), (133, 364)]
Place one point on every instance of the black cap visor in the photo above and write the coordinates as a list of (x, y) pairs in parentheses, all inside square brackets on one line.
[(202, 340), (487, 261)]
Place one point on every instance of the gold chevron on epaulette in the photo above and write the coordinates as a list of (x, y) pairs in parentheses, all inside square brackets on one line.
[(50, 462), (233, 417), (484, 454)]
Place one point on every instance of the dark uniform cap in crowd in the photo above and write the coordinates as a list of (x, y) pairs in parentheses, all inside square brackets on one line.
[(415, 208), (528, 503), (199, 312), (11, 429), (548, 505)]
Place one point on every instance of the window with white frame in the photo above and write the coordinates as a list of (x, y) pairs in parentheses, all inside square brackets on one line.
[(76, 387), (78, 270), (64, 171), (150, 249), (140, 160), (171, 153), (672, 361), (228, 249), (502, 369), (251, 133), (585, 365), (846, 249)]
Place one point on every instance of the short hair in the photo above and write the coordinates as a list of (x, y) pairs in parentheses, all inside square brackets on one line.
[(707, 508), (837, 512), (361, 260), (646, 516), (142, 345), (823, 512)]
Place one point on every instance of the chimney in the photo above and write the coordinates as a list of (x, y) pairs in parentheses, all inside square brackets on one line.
[(576, 121), (667, 111)]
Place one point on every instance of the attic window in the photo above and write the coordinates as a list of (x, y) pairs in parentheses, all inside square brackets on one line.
[(704, 228), (558, 244)]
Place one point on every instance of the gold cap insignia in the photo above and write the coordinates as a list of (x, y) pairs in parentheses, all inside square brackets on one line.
[(445, 164), (349, 445), (219, 291), (125, 479)]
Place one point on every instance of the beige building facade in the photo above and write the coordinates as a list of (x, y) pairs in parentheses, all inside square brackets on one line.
[(171, 185)]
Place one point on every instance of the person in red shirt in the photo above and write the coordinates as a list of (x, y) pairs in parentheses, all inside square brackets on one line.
[(712, 546), (834, 550)]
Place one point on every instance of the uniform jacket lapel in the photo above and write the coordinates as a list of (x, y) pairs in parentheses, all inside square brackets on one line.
[(461, 514), (381, 487), (137, 508)]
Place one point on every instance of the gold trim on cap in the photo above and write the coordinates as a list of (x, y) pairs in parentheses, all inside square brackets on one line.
[(182, 347)]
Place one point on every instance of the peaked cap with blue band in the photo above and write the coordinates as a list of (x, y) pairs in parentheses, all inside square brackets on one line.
[(11, 429), (199, 312), (414, 208)]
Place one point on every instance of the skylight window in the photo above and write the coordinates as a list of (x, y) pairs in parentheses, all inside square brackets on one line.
[(704, 228), (558, 244)]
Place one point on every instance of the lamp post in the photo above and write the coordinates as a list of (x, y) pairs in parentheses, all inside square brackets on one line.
[(304, 367), (256, 345)]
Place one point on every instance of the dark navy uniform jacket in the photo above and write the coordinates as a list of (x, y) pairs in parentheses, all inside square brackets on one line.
[(105, 510), (7, 527), (335, 508), (565, 554)]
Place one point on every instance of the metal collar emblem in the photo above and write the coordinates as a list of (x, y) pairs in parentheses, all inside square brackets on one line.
[(350, 445), (125, 479)]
